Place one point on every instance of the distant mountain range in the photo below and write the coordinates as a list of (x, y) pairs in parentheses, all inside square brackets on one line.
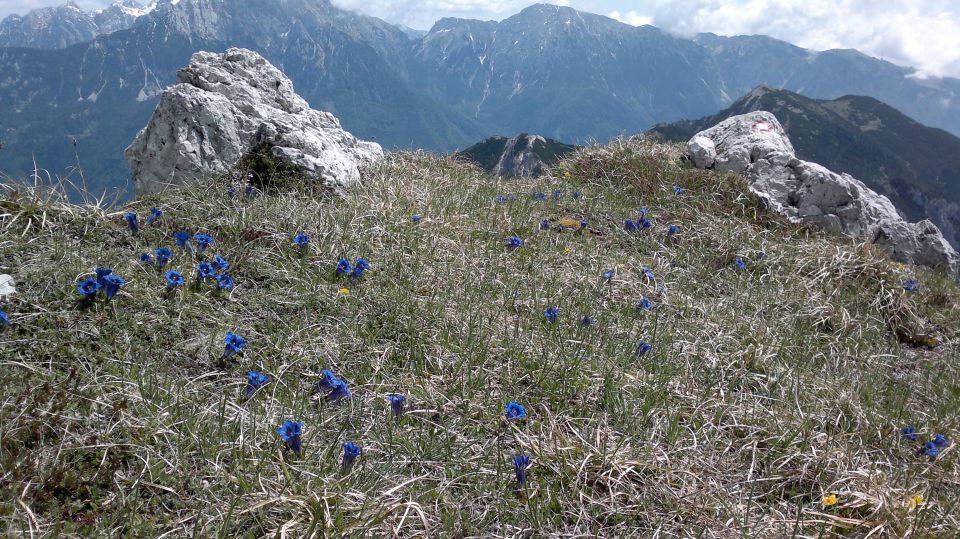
[(916, 166), (551, 70), (524, 155)]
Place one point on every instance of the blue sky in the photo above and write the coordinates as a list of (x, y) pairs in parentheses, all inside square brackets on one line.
[(921, 33)]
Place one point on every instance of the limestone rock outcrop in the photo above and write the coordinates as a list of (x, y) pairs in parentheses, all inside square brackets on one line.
[(225, 105), (756, 146)]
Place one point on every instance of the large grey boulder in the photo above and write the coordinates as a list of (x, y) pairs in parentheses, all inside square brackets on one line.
[(225, 105), (756, 146)]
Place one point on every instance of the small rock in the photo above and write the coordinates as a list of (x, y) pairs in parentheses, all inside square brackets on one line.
[(7, 287), (703, 151)]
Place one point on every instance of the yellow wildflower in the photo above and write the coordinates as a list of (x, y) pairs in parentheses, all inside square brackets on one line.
[(827, 501), (915, 501), (345, 291), (566, 173)]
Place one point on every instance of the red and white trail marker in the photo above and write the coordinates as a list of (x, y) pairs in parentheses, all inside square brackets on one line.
[(762, 127)]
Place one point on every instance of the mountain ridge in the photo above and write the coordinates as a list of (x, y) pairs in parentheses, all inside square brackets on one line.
[(565, 74)]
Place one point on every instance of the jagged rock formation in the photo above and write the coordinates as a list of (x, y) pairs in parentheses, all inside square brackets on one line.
[(524, 155), (915, 166), (227, 105), (756, 146)]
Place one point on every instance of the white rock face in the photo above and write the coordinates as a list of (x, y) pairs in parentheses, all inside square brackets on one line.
[(756, 146), (223, 106)]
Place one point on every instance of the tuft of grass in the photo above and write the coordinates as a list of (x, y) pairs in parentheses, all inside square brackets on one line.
[(766, 388)]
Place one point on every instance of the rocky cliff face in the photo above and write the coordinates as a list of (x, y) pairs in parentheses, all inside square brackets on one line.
[(67, 24), (523, 156), (224, 106), (756, 146)]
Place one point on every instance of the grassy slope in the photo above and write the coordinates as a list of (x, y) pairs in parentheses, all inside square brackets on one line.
[(765, 389)]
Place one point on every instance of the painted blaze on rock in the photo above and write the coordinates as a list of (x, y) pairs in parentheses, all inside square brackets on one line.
[(756, 146), (222, 107)]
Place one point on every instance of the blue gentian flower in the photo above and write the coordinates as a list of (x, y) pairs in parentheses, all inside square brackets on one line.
[(910, 286), (552, 314), (301, 240), (416, 218), (251, 191), (163, 256), (132, 222), (220, 264), (608, 275), (174, 279), (290, 433), (350, 453), (539, 195), (583, 224), (941, 441), (648, 273), (643, 212), (515, 411), (643, 348), (255, 380), (204, 271), (577, 195), (545, 224), (740, 264), (112, 284), (343, 267), (340, 391), (233, 344), (4, 319), (181, 239), (520, 465), (203, 241), (88, 287), (672, 229), (101, 273), (501, 199), (930, 449), (224, 281), (146, 259), (557, 193), (643, 222), (645, 304), (327, 383), (514, 243), (908, 433), (396, 403), (677, 189), (359, 267), (155, 215), (630, 225), (588, 321)]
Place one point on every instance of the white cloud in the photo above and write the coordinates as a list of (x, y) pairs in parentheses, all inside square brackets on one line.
[(924, 34), (631, 17)]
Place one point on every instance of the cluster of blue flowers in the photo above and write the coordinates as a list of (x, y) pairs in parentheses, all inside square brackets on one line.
[(931, 448), (106, 281), (355, 271), (134, 223), (214, 269), (332, 388)]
